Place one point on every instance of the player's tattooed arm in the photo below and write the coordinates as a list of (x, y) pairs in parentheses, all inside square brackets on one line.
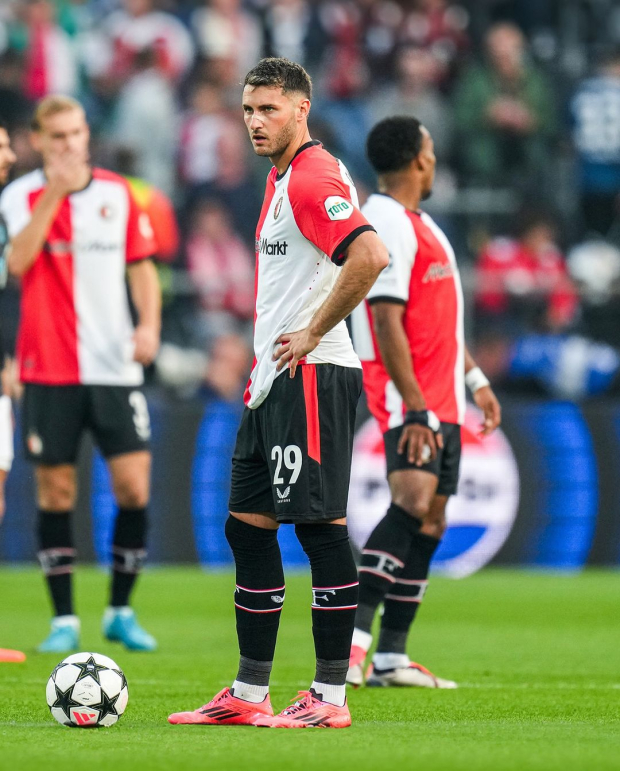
[(483, 395), (366, 257), (146, 295), (419, 442)]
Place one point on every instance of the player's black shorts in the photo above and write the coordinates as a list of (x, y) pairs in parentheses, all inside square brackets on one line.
[(445, 466), (293, 453), (55, 417)]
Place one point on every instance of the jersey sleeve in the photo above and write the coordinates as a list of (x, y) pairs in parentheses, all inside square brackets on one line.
[(15, 209), (399, 237), (326, 213), (140, 236)]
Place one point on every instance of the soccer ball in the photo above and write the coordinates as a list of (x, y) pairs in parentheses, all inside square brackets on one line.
[(87, 690)]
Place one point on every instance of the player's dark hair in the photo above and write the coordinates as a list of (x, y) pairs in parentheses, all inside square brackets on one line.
[(3, 124), (277, 71), (393, 143)]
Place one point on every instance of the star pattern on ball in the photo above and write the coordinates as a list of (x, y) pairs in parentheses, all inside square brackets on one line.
[(89, 668), (107, 705), (64, 701), (121, 674)]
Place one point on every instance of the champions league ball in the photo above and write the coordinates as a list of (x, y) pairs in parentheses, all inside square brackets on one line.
[(87, 690)]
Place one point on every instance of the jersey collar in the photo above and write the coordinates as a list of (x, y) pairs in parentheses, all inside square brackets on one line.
[(411, 211), (305, 146)]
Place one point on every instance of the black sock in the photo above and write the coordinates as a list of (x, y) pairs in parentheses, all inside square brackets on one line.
[(403, 600), (334, 597), (56, 555), (259, 595), (382, 559), (128, 553)]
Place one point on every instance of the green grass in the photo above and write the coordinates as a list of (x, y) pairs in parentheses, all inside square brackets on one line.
[(537, 657)]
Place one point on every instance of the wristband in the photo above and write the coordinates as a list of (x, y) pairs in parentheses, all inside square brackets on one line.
[(475, 379), (423, 418)]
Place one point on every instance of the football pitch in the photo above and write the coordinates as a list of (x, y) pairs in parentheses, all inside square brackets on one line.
[(537, 656)]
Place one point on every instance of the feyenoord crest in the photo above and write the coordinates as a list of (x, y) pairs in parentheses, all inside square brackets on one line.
[(106, 211), (278, 208), (480, 516)]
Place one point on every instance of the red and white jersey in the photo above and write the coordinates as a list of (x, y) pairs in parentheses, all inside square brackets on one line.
[(75, 324), (424, 277), (308, 220)]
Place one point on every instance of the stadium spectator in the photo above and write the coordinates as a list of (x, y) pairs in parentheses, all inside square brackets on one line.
[(415, 93), (505, 114), (146, 121), (138, 26), (16, 107), (227, 36), (49, 60), (293, 29), (221, 269), (441, 27), (522, 282), (214, 162), (595, 113)]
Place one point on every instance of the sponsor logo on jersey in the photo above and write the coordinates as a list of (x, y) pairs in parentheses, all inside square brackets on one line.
[(338, 208), (58, 248), (277, 248), (438, 271), (480, 516), (284, 496), (278, 208)]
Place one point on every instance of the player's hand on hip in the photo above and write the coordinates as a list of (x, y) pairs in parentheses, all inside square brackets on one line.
[(293, 346), (420, 443), (146, 344), (487, 401)]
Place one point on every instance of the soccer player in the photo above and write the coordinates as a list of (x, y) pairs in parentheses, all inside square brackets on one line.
[(316, 259), (409, 336), (7, 159), (75, 233)]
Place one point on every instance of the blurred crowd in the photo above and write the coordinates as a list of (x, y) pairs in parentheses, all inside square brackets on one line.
[(522, 98)]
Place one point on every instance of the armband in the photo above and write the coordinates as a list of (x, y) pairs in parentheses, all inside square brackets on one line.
[(475, 379)]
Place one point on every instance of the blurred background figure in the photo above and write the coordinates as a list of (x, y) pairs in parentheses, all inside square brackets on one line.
[(522, 284), (146, 120), (595, 110), (220, 267), (505, 114), (228, 37)]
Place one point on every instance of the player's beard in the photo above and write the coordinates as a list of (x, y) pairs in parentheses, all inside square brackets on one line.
[(427, 194), (280, 142)]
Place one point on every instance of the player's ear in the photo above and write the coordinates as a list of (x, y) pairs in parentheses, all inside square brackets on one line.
[(304, 108)]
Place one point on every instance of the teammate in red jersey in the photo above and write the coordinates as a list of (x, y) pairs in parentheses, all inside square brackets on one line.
[(409, 336), (316, 258), (75, 233)]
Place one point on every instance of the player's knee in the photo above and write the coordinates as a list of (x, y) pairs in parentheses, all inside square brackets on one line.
[(434, 526), (56, 493), (132, 493), (417, 508)]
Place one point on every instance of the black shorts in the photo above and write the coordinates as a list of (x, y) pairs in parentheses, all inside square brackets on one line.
[(55, 417), (445, 466), (293, 453)]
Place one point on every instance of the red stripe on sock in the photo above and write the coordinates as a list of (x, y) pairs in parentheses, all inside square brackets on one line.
[(311, 397)]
